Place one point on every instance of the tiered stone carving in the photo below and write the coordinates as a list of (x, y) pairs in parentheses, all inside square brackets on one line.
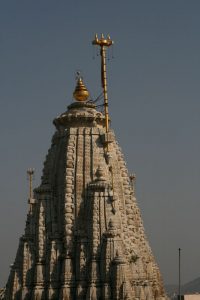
[(84, 238)]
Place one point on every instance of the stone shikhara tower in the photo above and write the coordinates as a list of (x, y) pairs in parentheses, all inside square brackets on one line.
[(84, 238)]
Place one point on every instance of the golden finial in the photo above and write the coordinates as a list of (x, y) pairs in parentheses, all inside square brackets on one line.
[(104, 43), (80, 93), (96, 37)]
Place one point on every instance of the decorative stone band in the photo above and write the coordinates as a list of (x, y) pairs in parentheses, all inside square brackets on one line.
[(100, 186), (80, 113)]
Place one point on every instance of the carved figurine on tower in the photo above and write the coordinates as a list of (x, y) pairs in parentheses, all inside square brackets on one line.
[(84, 237)]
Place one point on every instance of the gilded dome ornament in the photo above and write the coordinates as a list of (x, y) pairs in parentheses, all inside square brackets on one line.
[(80, 93)]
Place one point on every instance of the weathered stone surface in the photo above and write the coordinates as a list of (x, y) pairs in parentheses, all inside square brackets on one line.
[(2, 294), (84, 237)]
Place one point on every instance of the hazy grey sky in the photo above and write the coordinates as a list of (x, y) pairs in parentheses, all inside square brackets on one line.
[(154, 101)]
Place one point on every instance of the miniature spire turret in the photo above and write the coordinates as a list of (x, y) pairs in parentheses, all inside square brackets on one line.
[(31, 201), (30, 173)]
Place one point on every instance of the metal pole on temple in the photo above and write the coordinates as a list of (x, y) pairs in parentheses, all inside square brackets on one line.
[(104, 43), (30, 173), (179, 273)]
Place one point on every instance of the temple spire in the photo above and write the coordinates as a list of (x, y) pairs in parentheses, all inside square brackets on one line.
[(104, 43), (84, 237)]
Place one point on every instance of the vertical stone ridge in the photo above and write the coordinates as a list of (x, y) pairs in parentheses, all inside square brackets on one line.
[(67, 275), (39, 272)]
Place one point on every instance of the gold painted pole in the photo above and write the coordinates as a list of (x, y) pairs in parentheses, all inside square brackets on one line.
[(104, 82), (104, 43)]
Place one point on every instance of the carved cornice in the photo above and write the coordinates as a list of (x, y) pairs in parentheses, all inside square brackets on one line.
[(79, 114)]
